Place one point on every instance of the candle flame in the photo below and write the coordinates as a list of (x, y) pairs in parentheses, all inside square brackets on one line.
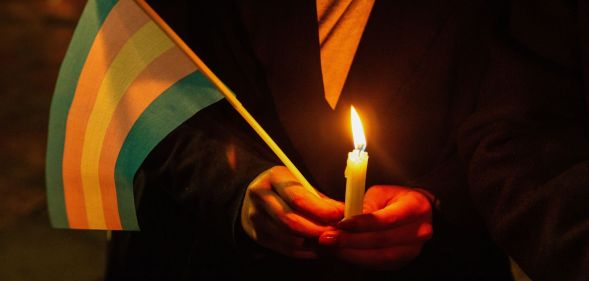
[(358, 131)]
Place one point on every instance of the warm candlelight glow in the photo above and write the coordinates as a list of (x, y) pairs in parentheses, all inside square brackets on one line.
[(356, 169), (358, 131)]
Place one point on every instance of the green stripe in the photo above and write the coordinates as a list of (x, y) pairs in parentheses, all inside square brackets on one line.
[(176, 105), (90, 22)]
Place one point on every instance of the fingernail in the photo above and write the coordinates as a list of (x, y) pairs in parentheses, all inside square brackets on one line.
[(328, 238)]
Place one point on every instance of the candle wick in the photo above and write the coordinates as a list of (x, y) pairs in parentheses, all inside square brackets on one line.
[(361, 147)]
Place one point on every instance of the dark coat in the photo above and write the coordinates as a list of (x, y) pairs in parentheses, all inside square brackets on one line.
[(479, 102)]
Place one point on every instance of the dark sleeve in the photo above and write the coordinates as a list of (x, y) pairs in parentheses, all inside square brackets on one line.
[(206, 164), (527, 146)]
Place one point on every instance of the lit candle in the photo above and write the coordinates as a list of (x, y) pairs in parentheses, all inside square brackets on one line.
[(356, 169)]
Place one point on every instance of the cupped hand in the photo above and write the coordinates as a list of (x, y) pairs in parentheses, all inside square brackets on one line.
[(280, 214), (391, 232)]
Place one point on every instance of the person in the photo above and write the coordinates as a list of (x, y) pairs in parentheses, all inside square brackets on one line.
[(477, 133)]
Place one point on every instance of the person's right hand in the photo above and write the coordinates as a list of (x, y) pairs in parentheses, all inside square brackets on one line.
[(280, 214)]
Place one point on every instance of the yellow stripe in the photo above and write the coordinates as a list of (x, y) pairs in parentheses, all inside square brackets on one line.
[(143, 47), (123, 21)]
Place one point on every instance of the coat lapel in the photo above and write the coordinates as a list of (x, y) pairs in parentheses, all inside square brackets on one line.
[(285, 39)]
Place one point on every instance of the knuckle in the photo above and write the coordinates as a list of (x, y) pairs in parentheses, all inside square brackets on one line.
[(274, 169), (421, 197), (424, 211), (377, 188), (423, 205), (254, 187), (277, 169), (275, 172), (260, 179)]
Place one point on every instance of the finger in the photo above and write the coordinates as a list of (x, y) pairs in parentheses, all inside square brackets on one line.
[(273, 237), (413, 233), (266, 228), (401, 210), (338, 204), (267, 224), (283, 215), (386, 258), (300, 199)]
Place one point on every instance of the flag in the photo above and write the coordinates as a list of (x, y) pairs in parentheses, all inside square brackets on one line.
[(123, 86)]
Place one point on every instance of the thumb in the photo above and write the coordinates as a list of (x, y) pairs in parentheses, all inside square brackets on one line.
[(377, 197)]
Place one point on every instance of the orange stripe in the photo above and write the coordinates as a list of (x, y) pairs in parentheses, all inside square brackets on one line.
[(162, 73), (124, 19)]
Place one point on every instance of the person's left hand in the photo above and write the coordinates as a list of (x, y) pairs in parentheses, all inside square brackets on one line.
[(390, 233)]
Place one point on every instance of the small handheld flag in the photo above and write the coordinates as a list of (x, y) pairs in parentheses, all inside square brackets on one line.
[(125, 83)]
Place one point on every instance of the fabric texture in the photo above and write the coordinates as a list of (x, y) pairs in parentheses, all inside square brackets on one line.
[(341, 24), (123, 86)]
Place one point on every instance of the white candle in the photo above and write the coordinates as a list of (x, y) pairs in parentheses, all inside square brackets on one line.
[(356, 169)]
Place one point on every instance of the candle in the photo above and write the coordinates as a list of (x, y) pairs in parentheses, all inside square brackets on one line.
[(356, 169)]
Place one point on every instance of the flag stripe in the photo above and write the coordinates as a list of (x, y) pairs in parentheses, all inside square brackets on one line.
[(123, 86), (110, 39), (167, 112), (92, 18), (160, 75), (142, 48)]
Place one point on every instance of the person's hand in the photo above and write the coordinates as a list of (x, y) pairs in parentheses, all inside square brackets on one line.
[(390, 233), (280, 214)]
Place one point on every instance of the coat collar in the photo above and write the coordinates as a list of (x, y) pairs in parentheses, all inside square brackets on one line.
[(284, 36)]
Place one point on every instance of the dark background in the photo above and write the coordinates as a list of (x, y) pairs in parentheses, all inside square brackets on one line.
[(34, 35)]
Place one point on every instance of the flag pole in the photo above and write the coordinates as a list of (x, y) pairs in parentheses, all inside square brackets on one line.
[(228, 95)]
